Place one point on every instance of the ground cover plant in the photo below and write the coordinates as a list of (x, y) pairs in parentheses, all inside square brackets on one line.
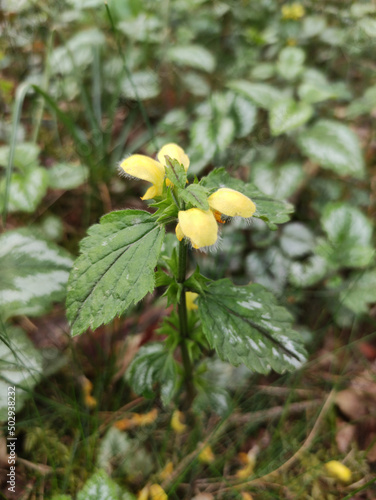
[(188, 279)]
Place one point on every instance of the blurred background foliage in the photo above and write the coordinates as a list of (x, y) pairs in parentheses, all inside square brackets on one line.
[(281, 94)]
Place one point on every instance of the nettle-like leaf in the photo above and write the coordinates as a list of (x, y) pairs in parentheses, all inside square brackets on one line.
[(25, 155), (359, 291), (67, 175), (34, 273), (196, 196), (333, 146), (154, 364), (287, 115), (193, 56), (100, 485), (261, 94), (268, 209), (115, 269), (175, 172), (244, 324), (290, 62), (26, 189)]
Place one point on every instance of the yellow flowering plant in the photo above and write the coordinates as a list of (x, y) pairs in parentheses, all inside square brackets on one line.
[(128, 254)]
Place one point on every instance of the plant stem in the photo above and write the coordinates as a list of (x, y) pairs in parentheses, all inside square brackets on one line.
[(184, 333)]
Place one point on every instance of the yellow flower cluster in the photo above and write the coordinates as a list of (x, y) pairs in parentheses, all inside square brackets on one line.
[(199, 226), (294, 11)]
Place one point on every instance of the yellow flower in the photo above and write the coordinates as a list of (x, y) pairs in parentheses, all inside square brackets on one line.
[(293, 11), (206, 455), (200, 225), (89, 399), (177, 422), (157, 492), (338, 471), (190, 298), (153, 171), (136, 420), (166, 471)]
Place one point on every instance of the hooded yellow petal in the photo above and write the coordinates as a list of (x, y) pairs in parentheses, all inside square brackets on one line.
[(179, 232), (232, 203), (199, 226), (173, 151), (157, 492), (147, 169)]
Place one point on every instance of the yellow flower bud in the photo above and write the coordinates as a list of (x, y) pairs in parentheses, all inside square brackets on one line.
[(199, 226), (338, 471), (206, 455), (232, 203), (177, 422), (173, 151), (190, 298)]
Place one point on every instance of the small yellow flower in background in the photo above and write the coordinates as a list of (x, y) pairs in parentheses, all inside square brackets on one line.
[(190, 298), (137, 420), (291, 42), (249, 461), (294, 11), (157, 493), (206, 455), (166, 471), (200, 226), (246, 496), (153, 171), (144, 493), (338, 471), (89, 399), (177, 420)]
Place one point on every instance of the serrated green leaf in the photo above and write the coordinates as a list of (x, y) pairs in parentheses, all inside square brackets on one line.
[(334, 146), (268, 209), (290, 62), (141, 85), (287, 115), (359, 291), (245, 114), (261, 94), (67, 175), (196, 196), (175, 172), (34, 274), (26, 190), (296, 240), (115, 269), (244, 324), (279, 182), (154, 364), (20, 366), (194, 56)]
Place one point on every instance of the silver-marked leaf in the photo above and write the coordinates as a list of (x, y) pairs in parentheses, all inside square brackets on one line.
[(261, 94), (287, 115), (193, 56), (25, 155), (245, 116), (34, 274), (279, 182), (67, 175), (333, 146), (244, 324), (297, 240), (115, 269), (141, 85), (270, 210), (290, 62), (154, 364), (100, 485), (359, 291), (309, 272), (20, 366), (26, 190)]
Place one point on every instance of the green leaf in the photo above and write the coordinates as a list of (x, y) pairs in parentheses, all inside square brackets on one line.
[(141, 85), (25, 155), (309, 272), (359, 291), (296, 240), (261, 94), (245, 325), (349, 236), (154, 364), (20, 366), (67, 175), (196, 196), (287, 115), (279, 182), (100, 485), (290, 62), (26, 190), (334, 146), (115, 269), (34, 274), (175, 172), (193, 56), (363, 105), (245, 115), (268, 209)]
